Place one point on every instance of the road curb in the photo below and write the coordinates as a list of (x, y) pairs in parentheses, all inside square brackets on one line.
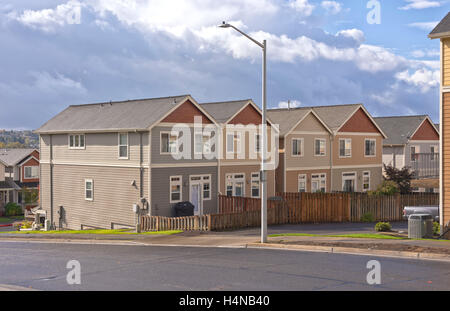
[(353, 251)]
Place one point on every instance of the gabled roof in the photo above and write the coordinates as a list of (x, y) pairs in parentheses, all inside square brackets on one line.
[(8, 183), (442, 29), (11, 157), (224, 111), (114, 116), (400, 129), (333, 117)]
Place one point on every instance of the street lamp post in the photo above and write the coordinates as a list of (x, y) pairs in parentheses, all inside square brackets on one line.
[(263, 174)]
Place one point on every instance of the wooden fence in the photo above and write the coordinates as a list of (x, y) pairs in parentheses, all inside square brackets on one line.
[(294, 208)]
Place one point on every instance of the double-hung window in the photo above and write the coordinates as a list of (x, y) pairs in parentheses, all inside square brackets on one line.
[(89, 189), (345, 148), (31, 172), (255, 185), (370, 147), (366, 181), (434, 150), (235, 184), (257, 143), (297, 147), (319, 147), (202, 143), (123, 145), (302, 183), (169, 142), (318, 182), (176, 189), (77, 141)]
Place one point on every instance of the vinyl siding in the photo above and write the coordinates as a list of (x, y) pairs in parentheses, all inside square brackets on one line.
[(376, 177), (101, 149), (292, 179), (247, 170), (446, 62), (114, 194), (358, 150), (446, 155), (2, 172)]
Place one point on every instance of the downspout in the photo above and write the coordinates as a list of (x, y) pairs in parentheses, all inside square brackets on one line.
[(51, 182), (141, 169), (331, 162)]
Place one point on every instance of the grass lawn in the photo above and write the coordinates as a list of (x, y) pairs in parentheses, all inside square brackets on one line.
[(355, 236), (10, 219), (97, 231)]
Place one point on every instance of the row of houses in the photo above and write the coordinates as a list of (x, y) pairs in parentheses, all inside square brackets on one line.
[(98, 160)]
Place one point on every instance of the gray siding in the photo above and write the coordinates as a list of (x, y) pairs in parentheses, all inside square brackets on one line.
[(161, 205)]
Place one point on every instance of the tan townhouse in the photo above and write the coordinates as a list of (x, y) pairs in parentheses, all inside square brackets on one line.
[(240, 161), (98, 160), (328, 148), (442, 32)]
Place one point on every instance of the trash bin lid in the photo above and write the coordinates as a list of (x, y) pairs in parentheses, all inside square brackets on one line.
[(421, 216)]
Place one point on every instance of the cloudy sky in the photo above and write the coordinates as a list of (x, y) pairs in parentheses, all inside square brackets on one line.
[(57, 53)]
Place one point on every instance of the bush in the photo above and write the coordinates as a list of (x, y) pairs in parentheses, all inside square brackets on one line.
[(12, 209), (383, 227), (367, 217), (387, 187), (436, 228)]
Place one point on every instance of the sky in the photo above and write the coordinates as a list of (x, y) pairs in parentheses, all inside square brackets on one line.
[(59, 53)]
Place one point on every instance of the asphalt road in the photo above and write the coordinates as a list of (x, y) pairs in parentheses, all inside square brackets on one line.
[(113, 267)]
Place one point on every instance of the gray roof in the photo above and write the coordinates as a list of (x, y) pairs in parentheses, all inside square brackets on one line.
[(223, 111), (399, 129), (333, 116), (11, 157), (124, 115), (8, 183), (287, 119), (442, 29)]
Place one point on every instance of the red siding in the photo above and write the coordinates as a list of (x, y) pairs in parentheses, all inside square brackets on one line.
[(359, 122), (185, 114), (426, 132), (30, 162)]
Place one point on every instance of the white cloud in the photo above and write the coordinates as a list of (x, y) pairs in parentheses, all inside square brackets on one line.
[(423, 79), (292, 104), (332, 7), (57, 83), (420, 4), (425, 53), (49, 19), (302, 6), (354, 33), (428, 26)]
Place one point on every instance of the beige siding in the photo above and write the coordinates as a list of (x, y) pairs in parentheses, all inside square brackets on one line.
[(247, 170), (2, 172), (446, 62), (445, 128), (101, 149), (292, 179), (358, 150), (45, 148), (114, 194)]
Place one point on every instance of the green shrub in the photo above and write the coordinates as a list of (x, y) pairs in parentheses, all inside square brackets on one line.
[(12, 209), (436, 228), (26, 225), (367, 217), (387, 187), (383, 227)]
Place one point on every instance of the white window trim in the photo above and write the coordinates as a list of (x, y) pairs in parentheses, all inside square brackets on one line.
[(351, 147), (306, 182), (128, 146), (228, 135), (375, 148), (160, 143), (25, 170), (76, 148), (252, 179), (302, 149), (203, 152), (85, 190), (347, 177), (370, 181), (180, 182), (201, 182), (325, 152), (233, 180)]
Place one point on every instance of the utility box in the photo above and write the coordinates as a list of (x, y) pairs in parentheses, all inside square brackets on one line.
[(420, 226)]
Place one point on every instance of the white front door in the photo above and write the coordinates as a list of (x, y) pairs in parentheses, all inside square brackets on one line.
[(195, 197)]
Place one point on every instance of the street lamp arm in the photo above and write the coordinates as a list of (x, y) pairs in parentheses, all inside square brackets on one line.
[(250, 38)]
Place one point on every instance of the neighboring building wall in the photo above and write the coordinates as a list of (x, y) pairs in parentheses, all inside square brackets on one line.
[(292, 179), (30, 162), (394, 155), (376, 177), (445, 128), (161, 205)]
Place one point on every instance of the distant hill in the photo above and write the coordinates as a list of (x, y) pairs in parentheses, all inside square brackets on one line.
[(18, 139)]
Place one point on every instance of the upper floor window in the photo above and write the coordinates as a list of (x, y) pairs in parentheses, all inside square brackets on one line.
[(123, 145), (31, 172), (77, 141), (232, 140), (202, 143), (258, 143), (169, 142), (415, 153), (297, 147), (319, 147), (345, 148), (370, 147), (434, 150)]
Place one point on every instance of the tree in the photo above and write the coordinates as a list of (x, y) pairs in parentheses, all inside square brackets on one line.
[(402, 177)]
